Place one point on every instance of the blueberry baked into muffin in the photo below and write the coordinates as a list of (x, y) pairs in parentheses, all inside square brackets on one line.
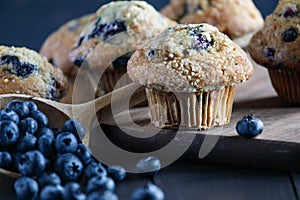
[(276, 47), (115, 31), (23, 71), (235, 18), (190, 72)]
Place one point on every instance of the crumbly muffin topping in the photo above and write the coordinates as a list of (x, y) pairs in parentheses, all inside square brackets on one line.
[(233, 17), (276, 45), (26, 72), (190, 57), (116, 29)]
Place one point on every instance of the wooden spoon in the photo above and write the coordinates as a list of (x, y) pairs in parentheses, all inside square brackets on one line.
[(58, 113)]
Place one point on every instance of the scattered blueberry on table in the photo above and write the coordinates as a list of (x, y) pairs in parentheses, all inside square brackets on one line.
[(53, 162), (249, 126)]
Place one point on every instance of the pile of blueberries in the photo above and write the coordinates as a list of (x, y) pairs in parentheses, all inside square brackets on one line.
[(53, 163)]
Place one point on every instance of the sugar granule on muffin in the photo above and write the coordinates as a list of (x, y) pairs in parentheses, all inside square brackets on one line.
[(190, 72)]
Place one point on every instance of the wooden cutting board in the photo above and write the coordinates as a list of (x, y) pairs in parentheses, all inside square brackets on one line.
[(277, 147)]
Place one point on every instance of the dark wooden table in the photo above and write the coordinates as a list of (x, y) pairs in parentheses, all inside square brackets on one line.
[(182, 179)]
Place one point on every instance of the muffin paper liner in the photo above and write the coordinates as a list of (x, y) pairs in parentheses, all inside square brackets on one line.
[(200, 110), (287, 85)]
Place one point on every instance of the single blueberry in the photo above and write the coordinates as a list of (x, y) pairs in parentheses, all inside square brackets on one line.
[(31, 106), (19, 107), (120, 62), (46, 145), (26, 142), (28, 125), (94, 169), (26, 188), (149, 164), (40, 117), (75, 127), (149, 192), (24, 70), (66, 142), (249, 126), (48, 178), (269, 52), (150, 53), (13, 60), (117, 173), (9, 115), (100, 183), (72, 191), (68, 167), (45, 131), (202, 43), (84, 154), (78, 61), (290, 11), (290, 35), (5, 160), (51, 192), (9, 132), (107, 195), (32, 163)]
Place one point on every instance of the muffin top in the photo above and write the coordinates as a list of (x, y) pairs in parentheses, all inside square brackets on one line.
[(57, 46), (276, 46), (117, 29), (23, 71), (235, 18), (190, 58)]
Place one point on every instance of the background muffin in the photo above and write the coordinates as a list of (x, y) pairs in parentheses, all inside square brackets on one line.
[(190, 73), (115, 31), (235, 18), (24, 71), (276, 47)]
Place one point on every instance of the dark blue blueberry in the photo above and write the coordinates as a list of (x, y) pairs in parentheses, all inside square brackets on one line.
[(51, 192), (75, 127), (13, 60), (202, 43), (26, 188), (31, 106), (9, 132), (108, 30), (149, 164), (45, 131), (78, 61), (40, 117), (107, 195), (66, 142), (46, 145), (9, 115), (151, 53), (290, 11), (84, 154), (72, 191), (117, 173), (32, 163), (5, 160), (100, 183), (94, 169), (290, 35), (48, 178), (28, 125), (68, 167), (25, 70), (19, 107), (269, 52), (26, 142), (249, 126), (148, 192)]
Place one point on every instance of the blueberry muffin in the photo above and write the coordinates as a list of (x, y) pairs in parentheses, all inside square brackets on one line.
[(190, 72), (276, 47), (113, 34), (235, 18), (57, 46), (24, 71)]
